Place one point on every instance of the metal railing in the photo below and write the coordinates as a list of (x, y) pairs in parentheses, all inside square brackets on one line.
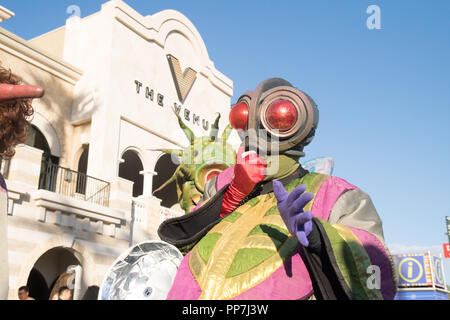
[(74, 184)]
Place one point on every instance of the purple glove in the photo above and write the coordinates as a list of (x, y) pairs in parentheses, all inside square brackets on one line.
[(290, 205)]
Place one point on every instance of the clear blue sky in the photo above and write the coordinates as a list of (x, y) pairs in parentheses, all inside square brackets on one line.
[(383, 95)]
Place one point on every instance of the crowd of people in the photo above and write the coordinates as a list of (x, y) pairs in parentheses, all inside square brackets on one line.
[(64, 293)]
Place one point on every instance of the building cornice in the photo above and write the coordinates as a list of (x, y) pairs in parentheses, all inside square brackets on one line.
[(5, 14), (157, 27), (54, 201), (20, 48)]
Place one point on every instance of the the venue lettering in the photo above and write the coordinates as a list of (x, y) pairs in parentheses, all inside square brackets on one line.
[(189, 116)]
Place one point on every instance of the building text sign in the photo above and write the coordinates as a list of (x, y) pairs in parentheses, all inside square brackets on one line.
[(183, 80), (184, 112), (183, 83)]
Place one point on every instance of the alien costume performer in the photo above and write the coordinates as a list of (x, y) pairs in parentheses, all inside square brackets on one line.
[(284, 235)]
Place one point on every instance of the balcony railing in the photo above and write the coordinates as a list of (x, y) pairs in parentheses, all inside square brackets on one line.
[(74, 184)]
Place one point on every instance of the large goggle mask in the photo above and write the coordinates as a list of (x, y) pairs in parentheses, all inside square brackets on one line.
[(275, 118)]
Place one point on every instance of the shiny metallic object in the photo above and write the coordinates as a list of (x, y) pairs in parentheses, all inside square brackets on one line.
[(144, 272)]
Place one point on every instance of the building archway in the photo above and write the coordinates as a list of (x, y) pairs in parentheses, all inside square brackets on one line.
[(90, 275), (36, 139), (130, 169), (47, 269), (39, 121), (165, 168)]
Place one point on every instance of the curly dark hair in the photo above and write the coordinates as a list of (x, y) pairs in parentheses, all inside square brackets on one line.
[(14, 118)]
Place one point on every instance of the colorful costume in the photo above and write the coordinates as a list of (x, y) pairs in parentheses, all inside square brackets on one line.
[(250, 254)]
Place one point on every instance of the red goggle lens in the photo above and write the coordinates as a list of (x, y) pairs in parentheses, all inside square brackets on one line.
[(282, 115), (239, 116)]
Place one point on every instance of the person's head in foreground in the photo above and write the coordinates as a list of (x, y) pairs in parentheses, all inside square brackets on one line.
[(23, 293), (64, 293)]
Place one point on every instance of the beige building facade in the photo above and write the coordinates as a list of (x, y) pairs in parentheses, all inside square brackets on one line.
[(80, 189)]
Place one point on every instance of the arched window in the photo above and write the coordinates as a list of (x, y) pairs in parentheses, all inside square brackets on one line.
[(82, 171), (49, 167), (130, 170), (165, 169), (83, 161), (37, 140)]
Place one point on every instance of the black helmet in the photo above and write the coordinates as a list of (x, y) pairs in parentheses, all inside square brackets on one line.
[(276, 117)]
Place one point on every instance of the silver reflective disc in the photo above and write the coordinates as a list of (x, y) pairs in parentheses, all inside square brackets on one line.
[(144, 272)]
